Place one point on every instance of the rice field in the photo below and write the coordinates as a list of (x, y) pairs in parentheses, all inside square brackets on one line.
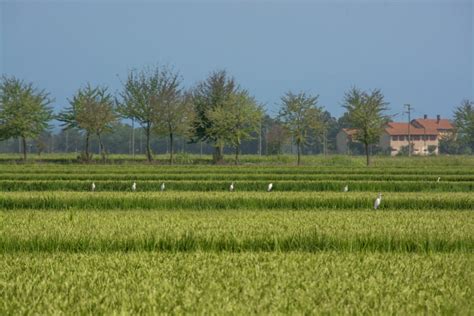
[(307, 247)]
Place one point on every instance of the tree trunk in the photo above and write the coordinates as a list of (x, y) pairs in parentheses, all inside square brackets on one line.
[(237, 151), (87, 147), (24, 147), (102, 148), (219, 153), (367, 154), (171, 148), (149, 157), (298, 149)]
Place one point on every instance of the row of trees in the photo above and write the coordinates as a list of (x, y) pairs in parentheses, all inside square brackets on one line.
[(216, 111)]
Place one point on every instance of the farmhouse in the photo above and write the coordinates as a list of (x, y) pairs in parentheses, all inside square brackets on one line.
[(424, 134), (395, 137)]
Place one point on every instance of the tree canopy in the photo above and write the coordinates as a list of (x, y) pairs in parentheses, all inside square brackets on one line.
[(366, 114), (464, 124), (300, 115), (92, 111), (210, 96), (24, 110), (236, 120), (144, 93)]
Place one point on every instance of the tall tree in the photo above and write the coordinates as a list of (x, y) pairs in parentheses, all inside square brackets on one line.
[(464, 124), (236, 120), (24, 110), (92, 111), (365, 113), (143, 93), (209, 95), (300, 115), (173, 111)]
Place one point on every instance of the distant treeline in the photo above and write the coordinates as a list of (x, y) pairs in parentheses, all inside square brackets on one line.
[(154, 113)]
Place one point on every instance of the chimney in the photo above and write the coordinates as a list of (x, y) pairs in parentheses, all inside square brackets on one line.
[(438, 117), (425, 116)]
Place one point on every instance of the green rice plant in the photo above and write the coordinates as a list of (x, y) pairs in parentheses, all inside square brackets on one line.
[(219, 185), (236, 283), (237, 231), (233, 200), (197, 248), (235, 177), (203, 169)]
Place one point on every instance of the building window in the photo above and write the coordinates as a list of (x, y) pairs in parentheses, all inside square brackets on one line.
[(417, 137), (394, 137), (401, 137), (432, 137)]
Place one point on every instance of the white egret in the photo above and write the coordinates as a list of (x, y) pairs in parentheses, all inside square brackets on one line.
[(162, 187), (378, 200), (270, 187), (439, 178), (134, 186), (346, 188), (231, 188), (93, 187)]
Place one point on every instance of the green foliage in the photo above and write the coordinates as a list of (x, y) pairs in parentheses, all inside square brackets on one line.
[(450, 145), (403, 151), (208, 97), (235, 120), (149, 94), (173, 110), (276, 137), (432, 149), (24, 110), (464, 123), (91, 110), (300, 116), (365, 112)]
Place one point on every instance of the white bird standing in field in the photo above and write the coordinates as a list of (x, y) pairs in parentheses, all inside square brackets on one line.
[(270, 187), (378, 200), (439, 178), (162, 187), (346, 188), (231, 188), (93, 187), (134, 186)]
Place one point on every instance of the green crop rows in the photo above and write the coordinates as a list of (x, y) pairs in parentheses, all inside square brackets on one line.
[(306, 247)]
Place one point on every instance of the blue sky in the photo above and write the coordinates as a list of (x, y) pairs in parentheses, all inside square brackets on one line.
[(418, 52)]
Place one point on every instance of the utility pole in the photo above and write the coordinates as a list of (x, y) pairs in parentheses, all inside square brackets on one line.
[(260, 139), (408, 111)]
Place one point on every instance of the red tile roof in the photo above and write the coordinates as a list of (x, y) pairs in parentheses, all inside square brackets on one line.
[(431, 124), (396, 128)]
